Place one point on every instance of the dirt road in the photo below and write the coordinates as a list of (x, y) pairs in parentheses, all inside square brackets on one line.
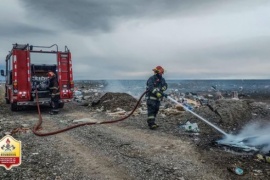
[(124, 150)]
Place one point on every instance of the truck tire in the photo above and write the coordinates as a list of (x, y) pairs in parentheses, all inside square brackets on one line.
[(61, 105), (14, 107)]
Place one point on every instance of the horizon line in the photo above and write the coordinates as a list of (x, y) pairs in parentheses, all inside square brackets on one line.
[(169, 79)]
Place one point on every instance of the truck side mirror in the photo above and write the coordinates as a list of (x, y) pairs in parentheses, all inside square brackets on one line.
[(2, 72)]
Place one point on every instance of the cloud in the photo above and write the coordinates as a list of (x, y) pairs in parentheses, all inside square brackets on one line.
[(242, 59), (23, 30), (120, 39), (104, 15)]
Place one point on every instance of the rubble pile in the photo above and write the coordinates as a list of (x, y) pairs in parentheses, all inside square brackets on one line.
[(229, 114), (112, 101), (170, 141), (260, 109)]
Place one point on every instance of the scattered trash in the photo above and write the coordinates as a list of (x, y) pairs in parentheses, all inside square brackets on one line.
[(257, 172), (190, 127), (19, 130), (239, 145), (78, 94), (188, 106), (118, 113), (236, 170), (85, 120), (267, 159), (262, 158), (7, 133), (25, 125), (203, 101), (144, 111), (179, 108), (187, 103), (235, 95), (201, 118)]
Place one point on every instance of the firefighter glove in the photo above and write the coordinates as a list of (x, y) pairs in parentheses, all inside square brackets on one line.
[(159, 95), (164, 88)]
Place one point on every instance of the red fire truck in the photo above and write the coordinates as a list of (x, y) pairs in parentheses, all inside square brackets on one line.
[(26, 72)]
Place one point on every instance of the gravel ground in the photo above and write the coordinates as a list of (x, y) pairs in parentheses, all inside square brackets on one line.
[(123, 150)]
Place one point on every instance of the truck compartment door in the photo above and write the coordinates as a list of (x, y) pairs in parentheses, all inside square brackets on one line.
[(64, 74), (21, 73)]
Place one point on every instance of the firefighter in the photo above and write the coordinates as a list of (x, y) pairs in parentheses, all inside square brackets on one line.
[(54, 92), (156, 85)]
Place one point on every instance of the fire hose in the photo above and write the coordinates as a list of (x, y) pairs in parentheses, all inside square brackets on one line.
[(37, 126)]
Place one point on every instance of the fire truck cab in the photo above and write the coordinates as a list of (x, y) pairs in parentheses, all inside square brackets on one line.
[(26, 73)]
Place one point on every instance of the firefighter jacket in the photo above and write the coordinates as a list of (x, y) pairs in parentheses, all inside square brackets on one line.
[(155, 84), (54, 87)]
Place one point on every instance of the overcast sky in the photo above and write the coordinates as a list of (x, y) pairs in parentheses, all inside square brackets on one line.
[(124, 39)]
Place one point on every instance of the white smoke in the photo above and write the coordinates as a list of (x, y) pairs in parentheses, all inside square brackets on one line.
[(132, 88), (114, 86), (253, 134)]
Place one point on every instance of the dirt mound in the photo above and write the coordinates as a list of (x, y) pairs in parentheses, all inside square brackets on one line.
[(111, 101), (232, 112), (228, 114)]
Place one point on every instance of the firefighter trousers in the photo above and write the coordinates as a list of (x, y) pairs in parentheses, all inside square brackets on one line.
[(152, 110), (55, 103)]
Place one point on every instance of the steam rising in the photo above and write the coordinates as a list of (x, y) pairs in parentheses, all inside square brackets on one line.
[(133, 88), (254, 134), (114, 86)]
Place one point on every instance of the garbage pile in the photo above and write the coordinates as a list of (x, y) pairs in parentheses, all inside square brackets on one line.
[(111, 101)]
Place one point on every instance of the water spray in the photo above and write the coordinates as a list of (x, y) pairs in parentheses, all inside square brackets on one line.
[(198, 116), (248, 141)]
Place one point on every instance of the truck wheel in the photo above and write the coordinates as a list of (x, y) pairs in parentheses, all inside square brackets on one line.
[(61, 105), (14, 107)]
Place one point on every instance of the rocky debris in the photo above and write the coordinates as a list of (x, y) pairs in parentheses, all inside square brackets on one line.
[(87, 97), (119, 112), (86, 120), (112, 101), (172, 111), (54, 157), (260, 109), (227, 111), (229, 114), (230, 111), (91, 84), (126, 103)]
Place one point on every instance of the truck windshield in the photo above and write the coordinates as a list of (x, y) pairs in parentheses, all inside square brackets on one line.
[(42, 58)]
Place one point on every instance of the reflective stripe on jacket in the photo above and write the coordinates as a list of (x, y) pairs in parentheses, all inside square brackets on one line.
[(154, 85)]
